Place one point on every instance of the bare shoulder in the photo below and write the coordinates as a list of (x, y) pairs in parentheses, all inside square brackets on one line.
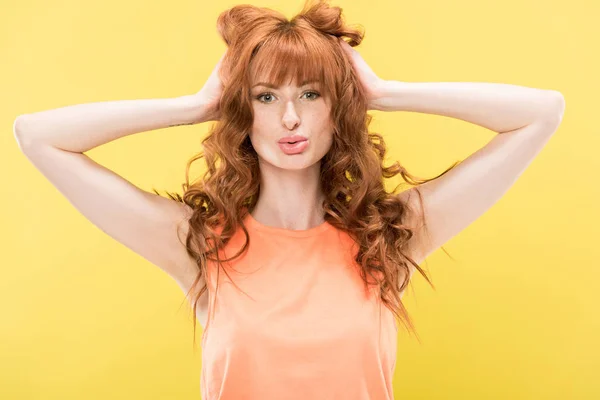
[(184, 268), (150, 225)]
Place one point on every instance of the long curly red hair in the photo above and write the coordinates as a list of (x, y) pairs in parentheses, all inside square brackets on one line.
[(261, 40)]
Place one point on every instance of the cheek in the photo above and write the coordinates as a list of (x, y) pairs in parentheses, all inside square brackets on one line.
[(259, 137), (261, 124), (327, 142)]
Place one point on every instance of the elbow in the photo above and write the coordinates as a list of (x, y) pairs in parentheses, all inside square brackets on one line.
[(18, 125), (558, 103), (554, 107), (19, 129)]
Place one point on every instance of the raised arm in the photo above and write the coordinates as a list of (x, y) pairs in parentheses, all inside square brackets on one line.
[(82, 127), (54, 142), (524, 118)]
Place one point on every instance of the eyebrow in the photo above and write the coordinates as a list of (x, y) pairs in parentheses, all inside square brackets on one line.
[(266, 84)]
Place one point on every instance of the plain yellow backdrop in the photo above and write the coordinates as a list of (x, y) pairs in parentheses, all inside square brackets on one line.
[(514, 316)]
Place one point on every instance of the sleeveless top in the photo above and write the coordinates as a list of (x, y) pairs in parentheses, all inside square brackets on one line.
[(291, 319)]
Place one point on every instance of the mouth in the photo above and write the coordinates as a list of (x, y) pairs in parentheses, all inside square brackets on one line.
[(295, 147)]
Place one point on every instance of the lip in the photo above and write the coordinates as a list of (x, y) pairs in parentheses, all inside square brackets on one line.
[(293, 138), (295, 148)]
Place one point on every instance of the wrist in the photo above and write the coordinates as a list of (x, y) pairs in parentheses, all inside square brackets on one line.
[(389, 95), (193, 109)]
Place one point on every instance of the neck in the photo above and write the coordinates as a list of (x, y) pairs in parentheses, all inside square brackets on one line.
[(290, 199)]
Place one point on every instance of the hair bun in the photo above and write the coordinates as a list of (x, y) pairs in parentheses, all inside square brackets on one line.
[(329, 20), (237, 21)]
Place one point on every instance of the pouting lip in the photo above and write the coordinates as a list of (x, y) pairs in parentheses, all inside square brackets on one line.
[(293, 138)]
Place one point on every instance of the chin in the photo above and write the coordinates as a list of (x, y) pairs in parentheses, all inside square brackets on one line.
[(296, 162)]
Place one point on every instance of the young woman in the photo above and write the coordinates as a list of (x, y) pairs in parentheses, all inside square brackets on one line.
[(295, 253)]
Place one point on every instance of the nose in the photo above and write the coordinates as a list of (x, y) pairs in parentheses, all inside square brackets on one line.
[(290, 116)]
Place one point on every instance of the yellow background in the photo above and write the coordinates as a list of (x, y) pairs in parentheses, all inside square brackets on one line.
[(514, 317)]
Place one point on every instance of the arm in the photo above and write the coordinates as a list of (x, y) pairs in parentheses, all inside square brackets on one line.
[(525, 119), (495, 106), (146, 223), (79, 128)]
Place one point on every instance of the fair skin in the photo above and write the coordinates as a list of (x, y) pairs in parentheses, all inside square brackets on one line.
[(55, 142), (290, 194), (524, 118)]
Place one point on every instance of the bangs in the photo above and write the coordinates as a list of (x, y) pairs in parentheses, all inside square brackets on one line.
[(290, 58)]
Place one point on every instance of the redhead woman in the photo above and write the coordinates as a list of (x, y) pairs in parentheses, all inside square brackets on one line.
[(293, 255)]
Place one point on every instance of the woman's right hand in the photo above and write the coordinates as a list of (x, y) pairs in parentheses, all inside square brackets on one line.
[(209, 97)]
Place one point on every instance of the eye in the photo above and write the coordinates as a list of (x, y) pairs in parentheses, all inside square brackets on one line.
[(314, 97), (315, 93), (263, 94)]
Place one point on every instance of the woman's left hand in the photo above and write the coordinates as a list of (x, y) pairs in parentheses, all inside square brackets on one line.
[(371, 83)]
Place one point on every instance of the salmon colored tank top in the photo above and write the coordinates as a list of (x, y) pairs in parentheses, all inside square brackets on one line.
[(300, 324)]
